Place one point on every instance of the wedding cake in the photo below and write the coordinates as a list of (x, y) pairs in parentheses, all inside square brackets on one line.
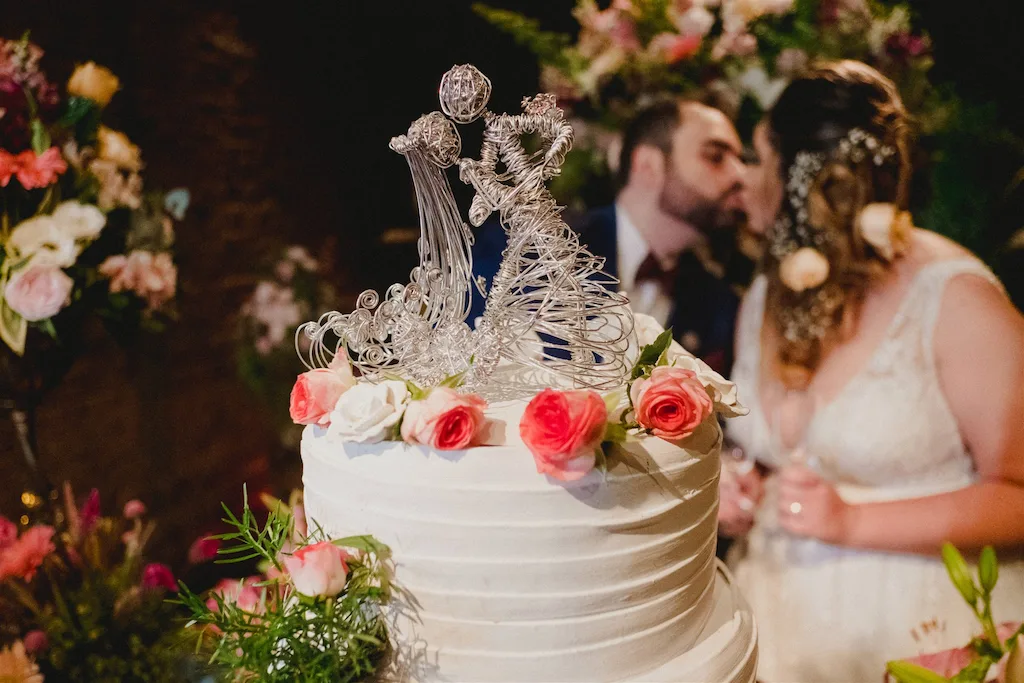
[(547, 482)]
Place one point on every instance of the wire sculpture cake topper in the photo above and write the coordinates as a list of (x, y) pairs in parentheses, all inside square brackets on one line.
[(552, 315)]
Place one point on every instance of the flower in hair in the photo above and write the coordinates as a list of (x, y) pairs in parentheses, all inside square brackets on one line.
[(883, 226), (805, 268)]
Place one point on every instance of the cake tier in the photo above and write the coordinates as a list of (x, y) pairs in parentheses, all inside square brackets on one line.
[(512, 576)]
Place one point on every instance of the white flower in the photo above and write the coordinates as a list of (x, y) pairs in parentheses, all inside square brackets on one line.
[(875, 223), (765, 90), (722, 391), (16, 665), (79, 221), (368, 413), (805, 268), (696, 21), (43, 236)]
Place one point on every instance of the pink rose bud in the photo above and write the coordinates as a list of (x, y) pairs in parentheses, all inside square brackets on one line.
[(203, 549), (563, 429), (672, 403), (317, 392), (90, 512), (445, 420), (157, 575), (8, 532), (246, 594), (35, 642), (318, 569), (134, 509), (38, 292)]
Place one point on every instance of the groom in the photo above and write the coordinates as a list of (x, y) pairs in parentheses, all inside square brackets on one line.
[(680, 176)]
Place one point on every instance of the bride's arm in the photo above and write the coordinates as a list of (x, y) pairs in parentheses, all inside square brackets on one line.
[(979, 351)]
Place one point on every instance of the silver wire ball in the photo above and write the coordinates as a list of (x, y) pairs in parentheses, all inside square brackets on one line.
[(439, 137), (464, 93)]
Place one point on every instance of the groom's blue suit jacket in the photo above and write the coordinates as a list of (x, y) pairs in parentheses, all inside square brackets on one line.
[(704, 306)]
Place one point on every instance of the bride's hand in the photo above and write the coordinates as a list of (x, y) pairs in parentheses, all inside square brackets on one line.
[(740, 493), (810, 506)]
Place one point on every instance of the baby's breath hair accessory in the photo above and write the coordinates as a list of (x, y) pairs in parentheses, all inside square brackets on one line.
[(793, 229)]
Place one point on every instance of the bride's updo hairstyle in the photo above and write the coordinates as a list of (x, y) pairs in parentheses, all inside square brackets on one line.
[(841, 132)]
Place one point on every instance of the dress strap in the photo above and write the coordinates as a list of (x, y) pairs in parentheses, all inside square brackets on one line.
[(748, 343), (932, 286)]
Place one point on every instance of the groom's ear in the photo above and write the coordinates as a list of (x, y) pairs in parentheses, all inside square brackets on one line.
[(648, 167)]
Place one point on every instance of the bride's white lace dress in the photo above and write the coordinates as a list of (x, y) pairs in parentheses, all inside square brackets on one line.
[(827, 613)]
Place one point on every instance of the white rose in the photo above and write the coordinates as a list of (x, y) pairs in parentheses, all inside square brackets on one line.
[(805, 268), (79, 221), (44, 238), (696, 21), (765, 90), (723, 392), (367, 413), (875, 224)]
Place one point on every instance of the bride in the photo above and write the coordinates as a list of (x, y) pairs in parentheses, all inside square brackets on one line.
[(884, 369)]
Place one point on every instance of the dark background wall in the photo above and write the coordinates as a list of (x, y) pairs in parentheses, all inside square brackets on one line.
[(277, 117)]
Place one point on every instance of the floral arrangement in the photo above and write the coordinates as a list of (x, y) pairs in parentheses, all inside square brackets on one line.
[(315, 613), (997, 654), (81, 603), (741, 51), (670, 394), (76, 229), (293, 290)]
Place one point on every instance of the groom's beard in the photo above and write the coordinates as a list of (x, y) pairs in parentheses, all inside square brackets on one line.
[(708, 215)]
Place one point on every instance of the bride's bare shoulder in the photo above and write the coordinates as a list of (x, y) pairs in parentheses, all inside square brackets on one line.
[(927, 247)]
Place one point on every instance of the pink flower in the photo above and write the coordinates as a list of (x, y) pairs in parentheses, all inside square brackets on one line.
[(672, 403), (203, 549), (563, 430), (8, 532), (247, 594), (38, 292), (152, 277), (134, 508), (317, 392), (157, 575), (90, 512), (22, 558), (40, 171), (8, 167), (445, 420), (318, 569), (673, 47), (35, 642), (740, 44)]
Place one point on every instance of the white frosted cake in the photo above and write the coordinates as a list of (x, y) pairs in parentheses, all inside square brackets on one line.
[(514, 577)]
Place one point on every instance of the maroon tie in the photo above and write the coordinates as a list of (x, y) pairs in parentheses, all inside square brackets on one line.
[(651, 270)]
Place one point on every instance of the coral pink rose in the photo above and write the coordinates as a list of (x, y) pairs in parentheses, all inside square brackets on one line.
[(445, 420), (672, 403), (38, 292), (32, 171), (318, 569), (246, 593), (22, 558), (8, 532), (157, 575), (563, 429), (317, 392)]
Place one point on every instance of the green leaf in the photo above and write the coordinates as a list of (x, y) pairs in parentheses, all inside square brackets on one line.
[(453, 381), (975, 672), (549, 46), (905, 672), (614, 433), (40, 138), (959, 574), (650, 354), (13, 328), (988, 569), (47, 327)]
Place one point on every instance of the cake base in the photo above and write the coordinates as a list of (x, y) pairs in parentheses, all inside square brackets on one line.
[(725, 651)]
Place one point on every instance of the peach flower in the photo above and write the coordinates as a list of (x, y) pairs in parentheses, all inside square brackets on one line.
[(563, 430), (318, 569), (93, 82), (805, 268), (15, 665), (671, 403), (316, 392), (445, 420), (23, 558), (152, 277)]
